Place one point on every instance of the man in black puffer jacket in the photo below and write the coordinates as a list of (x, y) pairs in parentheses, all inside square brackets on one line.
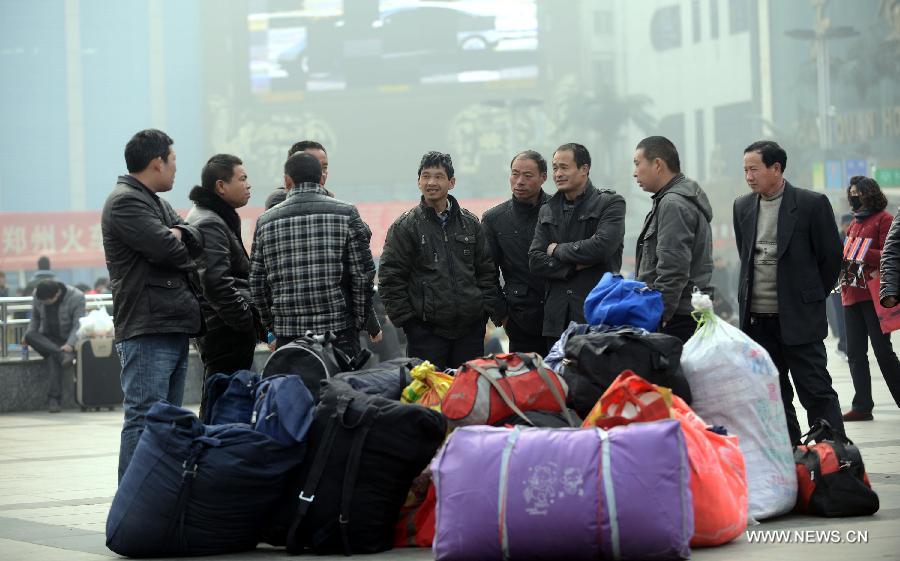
[(437, 279), (232, 323), (150, 255)]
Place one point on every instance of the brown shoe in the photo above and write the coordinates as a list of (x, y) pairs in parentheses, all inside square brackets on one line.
[(854, 415)]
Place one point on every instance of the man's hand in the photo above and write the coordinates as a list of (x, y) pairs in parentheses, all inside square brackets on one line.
[(176, 232), (889, 301), (67, 348), (551, 248), (377, 338)]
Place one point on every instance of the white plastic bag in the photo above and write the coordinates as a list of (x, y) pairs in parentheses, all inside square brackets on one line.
[(98, 323), (735, 384)]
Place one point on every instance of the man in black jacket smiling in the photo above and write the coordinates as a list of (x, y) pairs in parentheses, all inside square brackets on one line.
[(149, 254), (232, 324), (437, 278)]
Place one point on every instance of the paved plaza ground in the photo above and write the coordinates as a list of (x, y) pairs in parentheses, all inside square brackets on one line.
[(58, 477)]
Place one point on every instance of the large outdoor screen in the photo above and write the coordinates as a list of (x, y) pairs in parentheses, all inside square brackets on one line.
[(324, 45)]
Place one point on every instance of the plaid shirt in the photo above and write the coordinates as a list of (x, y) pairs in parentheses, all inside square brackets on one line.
[(311, 267)]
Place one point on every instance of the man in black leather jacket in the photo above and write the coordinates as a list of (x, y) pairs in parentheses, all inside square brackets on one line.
[(232, 323), (509, 229), (437, 279), (579, 237), (149, 254)]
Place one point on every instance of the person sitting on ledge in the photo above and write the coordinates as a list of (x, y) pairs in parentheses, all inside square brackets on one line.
[(56, 308)]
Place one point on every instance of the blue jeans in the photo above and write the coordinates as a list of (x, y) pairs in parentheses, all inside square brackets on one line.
[(153, 368)]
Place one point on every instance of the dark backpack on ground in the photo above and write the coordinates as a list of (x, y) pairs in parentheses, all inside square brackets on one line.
[(229, 398), (594, 360), (542, 419), (192, 489), (831, 476), (314, 358), (364, 452), (386, 379)]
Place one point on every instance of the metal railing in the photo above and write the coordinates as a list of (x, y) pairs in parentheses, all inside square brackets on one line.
[(12, 330)]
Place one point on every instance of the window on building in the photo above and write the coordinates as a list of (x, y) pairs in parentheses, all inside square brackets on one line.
[(603, 22), (738, 16), (714, 19), (695, 20), (665, 28)]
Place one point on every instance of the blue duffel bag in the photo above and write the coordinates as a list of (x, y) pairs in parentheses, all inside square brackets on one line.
[(197, 490), (618, 302)]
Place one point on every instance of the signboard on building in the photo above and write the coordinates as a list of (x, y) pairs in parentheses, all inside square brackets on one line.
[(854, 167), (834, 174), (888, 177)]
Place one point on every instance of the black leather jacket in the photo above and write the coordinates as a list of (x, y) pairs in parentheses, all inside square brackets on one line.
[(592, 237), (890, 262), (444, 278), (223, 268), (148, 266), (509, 229)]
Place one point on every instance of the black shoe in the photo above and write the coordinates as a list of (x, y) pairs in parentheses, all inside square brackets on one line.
[(54, 407)]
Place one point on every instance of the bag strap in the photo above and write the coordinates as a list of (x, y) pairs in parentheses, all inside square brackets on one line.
[(175, 532), (353, 461), (548, 381), (500, 391), (308, 493)]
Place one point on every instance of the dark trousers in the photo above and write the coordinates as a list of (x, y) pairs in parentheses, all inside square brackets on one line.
[(808, 367), (440, 351), (49, 347), (681, 326), (861, 323), (224, 350), (521, 341)]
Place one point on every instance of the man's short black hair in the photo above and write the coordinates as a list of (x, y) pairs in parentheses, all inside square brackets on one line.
[(305, 145), (303, 167), (101, 281), (46, 289), (662, 148), (579, 152), (146, 146), (533, 156), (43, 263), (437, 159), (770, 152), (220, 166)]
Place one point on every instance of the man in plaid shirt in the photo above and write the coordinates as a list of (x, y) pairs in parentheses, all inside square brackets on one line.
[(311, 267)]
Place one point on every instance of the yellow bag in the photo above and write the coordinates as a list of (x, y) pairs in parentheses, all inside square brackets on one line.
[(428, 386)]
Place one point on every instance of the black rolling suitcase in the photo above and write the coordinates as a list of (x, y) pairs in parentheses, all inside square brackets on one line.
[(98, 374)]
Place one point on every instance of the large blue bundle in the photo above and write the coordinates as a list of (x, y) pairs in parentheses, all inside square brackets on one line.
[(197, 490), (229, 397)]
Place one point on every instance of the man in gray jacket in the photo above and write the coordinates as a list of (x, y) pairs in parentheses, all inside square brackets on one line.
[(674, 249), (54, 321)]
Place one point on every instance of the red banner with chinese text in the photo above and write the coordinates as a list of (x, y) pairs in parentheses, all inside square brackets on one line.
[(73, 239)]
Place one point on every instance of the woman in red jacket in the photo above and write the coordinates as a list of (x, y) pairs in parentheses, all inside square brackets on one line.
[(870, 222)]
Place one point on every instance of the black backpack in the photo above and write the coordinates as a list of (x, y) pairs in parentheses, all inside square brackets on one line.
[(364, 452), (314, 358), (594, 360), (387, 379)]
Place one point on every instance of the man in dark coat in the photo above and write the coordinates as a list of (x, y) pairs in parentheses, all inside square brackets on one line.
[(509, 229), (790, 254), (579, 237), (233, 326), (437, 279), (150, 255)]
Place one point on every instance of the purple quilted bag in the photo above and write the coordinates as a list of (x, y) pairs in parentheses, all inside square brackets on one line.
[(528, 493)]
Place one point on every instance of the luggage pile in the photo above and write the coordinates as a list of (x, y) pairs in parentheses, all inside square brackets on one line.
[(680, 447)]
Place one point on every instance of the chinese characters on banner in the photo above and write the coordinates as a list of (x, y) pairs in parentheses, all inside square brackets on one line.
[(73, 239)]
